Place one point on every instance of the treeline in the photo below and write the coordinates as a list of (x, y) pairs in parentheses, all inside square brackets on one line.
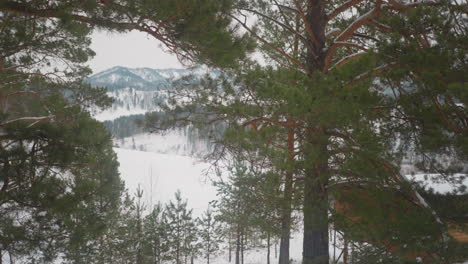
[(170, 233), (125, 126), (160, 234)]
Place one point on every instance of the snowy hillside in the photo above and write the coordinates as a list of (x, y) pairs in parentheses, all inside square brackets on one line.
[(161, 175), (135, 91), (138, 78), (162, 164)]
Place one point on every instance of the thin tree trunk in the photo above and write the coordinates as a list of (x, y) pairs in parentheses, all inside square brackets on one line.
[(286, 219), (230, 247), (334, 245), (345, 251), (276, 248), (238, 245), (268, 246), (242, 247)]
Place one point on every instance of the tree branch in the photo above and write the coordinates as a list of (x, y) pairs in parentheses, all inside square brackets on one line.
[(343, 8), (278, 50)]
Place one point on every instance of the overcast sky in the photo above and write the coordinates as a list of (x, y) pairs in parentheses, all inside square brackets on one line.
[(134, 49)]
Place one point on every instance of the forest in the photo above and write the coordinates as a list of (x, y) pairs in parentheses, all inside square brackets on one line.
[(318, 109)]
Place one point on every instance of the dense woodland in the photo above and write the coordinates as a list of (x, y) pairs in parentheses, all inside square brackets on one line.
[(315, 138)]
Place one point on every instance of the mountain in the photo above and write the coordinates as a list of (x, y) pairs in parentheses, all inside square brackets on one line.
[(137, 91), (144, 79)]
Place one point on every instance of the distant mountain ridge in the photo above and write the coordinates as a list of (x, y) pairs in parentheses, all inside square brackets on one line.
[(137, 91), (143, 79)]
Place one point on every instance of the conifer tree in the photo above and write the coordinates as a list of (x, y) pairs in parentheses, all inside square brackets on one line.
[(181, 235), (210, 235), (327, 55), (155, 236), (46, 133)]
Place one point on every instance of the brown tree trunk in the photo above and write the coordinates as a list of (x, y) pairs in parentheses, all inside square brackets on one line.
[(315, 209), (315, 244), (345, 251), (286, 219)]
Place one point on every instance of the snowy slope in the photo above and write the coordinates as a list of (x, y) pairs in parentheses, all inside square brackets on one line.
[(173, 142), (161, 175)]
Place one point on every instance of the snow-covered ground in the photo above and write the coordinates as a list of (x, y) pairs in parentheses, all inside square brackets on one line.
[(161, 175), (172, 142)]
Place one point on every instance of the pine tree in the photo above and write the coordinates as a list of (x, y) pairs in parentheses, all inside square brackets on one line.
[(181, 233), (51, 151), (210, 234), (327, 57), (155, 236)]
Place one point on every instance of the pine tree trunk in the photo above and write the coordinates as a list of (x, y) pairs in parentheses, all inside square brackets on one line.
[(268, 246), (286, 219), (11, 257), (238, 245), (230, 247), (242, 247), (315, 244), (276, 248), (315, 209), (345, 251)]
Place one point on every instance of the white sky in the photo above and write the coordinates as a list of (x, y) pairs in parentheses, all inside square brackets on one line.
[(134, 49)]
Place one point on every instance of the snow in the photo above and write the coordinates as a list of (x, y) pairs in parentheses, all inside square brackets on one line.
[(161, 175), (431, 181), (129, 101), (173, 142), (112, 114)]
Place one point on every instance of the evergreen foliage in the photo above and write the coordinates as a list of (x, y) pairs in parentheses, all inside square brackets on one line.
[(210, 235), (350, 80), (59, 185)]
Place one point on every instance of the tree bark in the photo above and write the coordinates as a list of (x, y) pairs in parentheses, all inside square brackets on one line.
[(238, 238), (286, 219), (268, 246), (315, 244), (345, 251), (242, 246), (230, 247), (276, 248), (315, 209)]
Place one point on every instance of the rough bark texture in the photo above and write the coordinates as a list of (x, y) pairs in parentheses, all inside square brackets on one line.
[(315, 244)]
